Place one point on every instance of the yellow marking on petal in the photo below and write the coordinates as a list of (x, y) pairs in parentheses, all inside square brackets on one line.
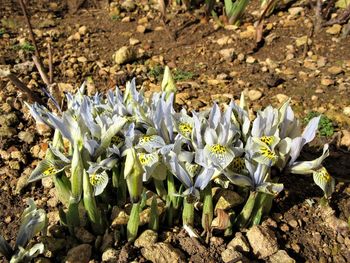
[(185, 128), (147, 138), (145, 159), (323, 174), (95, 179), (49, 171), (192, 169), (116, 139), (238, 164), (267, 139), (218, 149), (268, 153)]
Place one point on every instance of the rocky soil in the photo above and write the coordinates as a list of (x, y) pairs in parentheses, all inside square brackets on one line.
[(111, 44)]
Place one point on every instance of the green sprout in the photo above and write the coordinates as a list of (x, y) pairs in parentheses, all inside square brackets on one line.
[(235, 9), (25, 47), (2, 31), (157, 72), (325, 126), (33, 221), (182, 75)]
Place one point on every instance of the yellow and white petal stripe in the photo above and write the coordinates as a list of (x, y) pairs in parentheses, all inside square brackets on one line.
[(265, 156), (148, 159), (185, 129), (99, 181), (151, 142), (262, 153), (117, 140), (323, 179), (220, 155), (46, 168), (192, 169), (269, 140), (238, 164)]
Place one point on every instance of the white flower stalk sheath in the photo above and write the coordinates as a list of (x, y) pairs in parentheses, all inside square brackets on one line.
[(77, 171), (168, 83), (133, 172)]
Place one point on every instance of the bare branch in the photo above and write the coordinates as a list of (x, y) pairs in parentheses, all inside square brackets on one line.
[(20, 85), (50, 63), (41, 70), (24, 10)]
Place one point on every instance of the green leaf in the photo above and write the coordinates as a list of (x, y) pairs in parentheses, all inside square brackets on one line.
[(77, 174), (134, 222), (154, 219)]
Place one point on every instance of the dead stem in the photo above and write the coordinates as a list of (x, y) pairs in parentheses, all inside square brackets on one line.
[(50, 63), (318, 16), (20, 85), (41, 70), (342, 19)]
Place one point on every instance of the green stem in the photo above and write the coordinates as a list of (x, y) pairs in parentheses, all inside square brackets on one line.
[(160, 189), (262, 207), (62, 186), (90, 205), (207, 216), (122, 189), (134, 222), (188, 213), (171, 199), (243, 218), (154, 219), (72, 215), (115, 176)]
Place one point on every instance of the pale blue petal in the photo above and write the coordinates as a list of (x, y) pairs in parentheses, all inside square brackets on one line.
[(310, 130), (308, 167), (204, 178)]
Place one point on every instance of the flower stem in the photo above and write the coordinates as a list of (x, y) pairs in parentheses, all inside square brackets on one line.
[(243, 218), (207, 216), (154, 219), (134, 221), (160, 189), (188, 213)]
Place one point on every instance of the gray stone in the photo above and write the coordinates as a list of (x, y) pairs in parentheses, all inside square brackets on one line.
[(239, 243), (83, 30), (124, 55), (81, 254), (147, 238), (83, 235), (281, 256), (263, 241), (231, 255), (111, 255), (27, 137), (228, 54), (228, 199), (128, 5), (254, 94), (162, 253)]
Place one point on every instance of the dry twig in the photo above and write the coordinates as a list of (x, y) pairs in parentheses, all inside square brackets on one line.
[(20, 85)]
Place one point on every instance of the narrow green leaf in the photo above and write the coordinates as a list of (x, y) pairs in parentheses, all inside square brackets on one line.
[(134, 222)]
